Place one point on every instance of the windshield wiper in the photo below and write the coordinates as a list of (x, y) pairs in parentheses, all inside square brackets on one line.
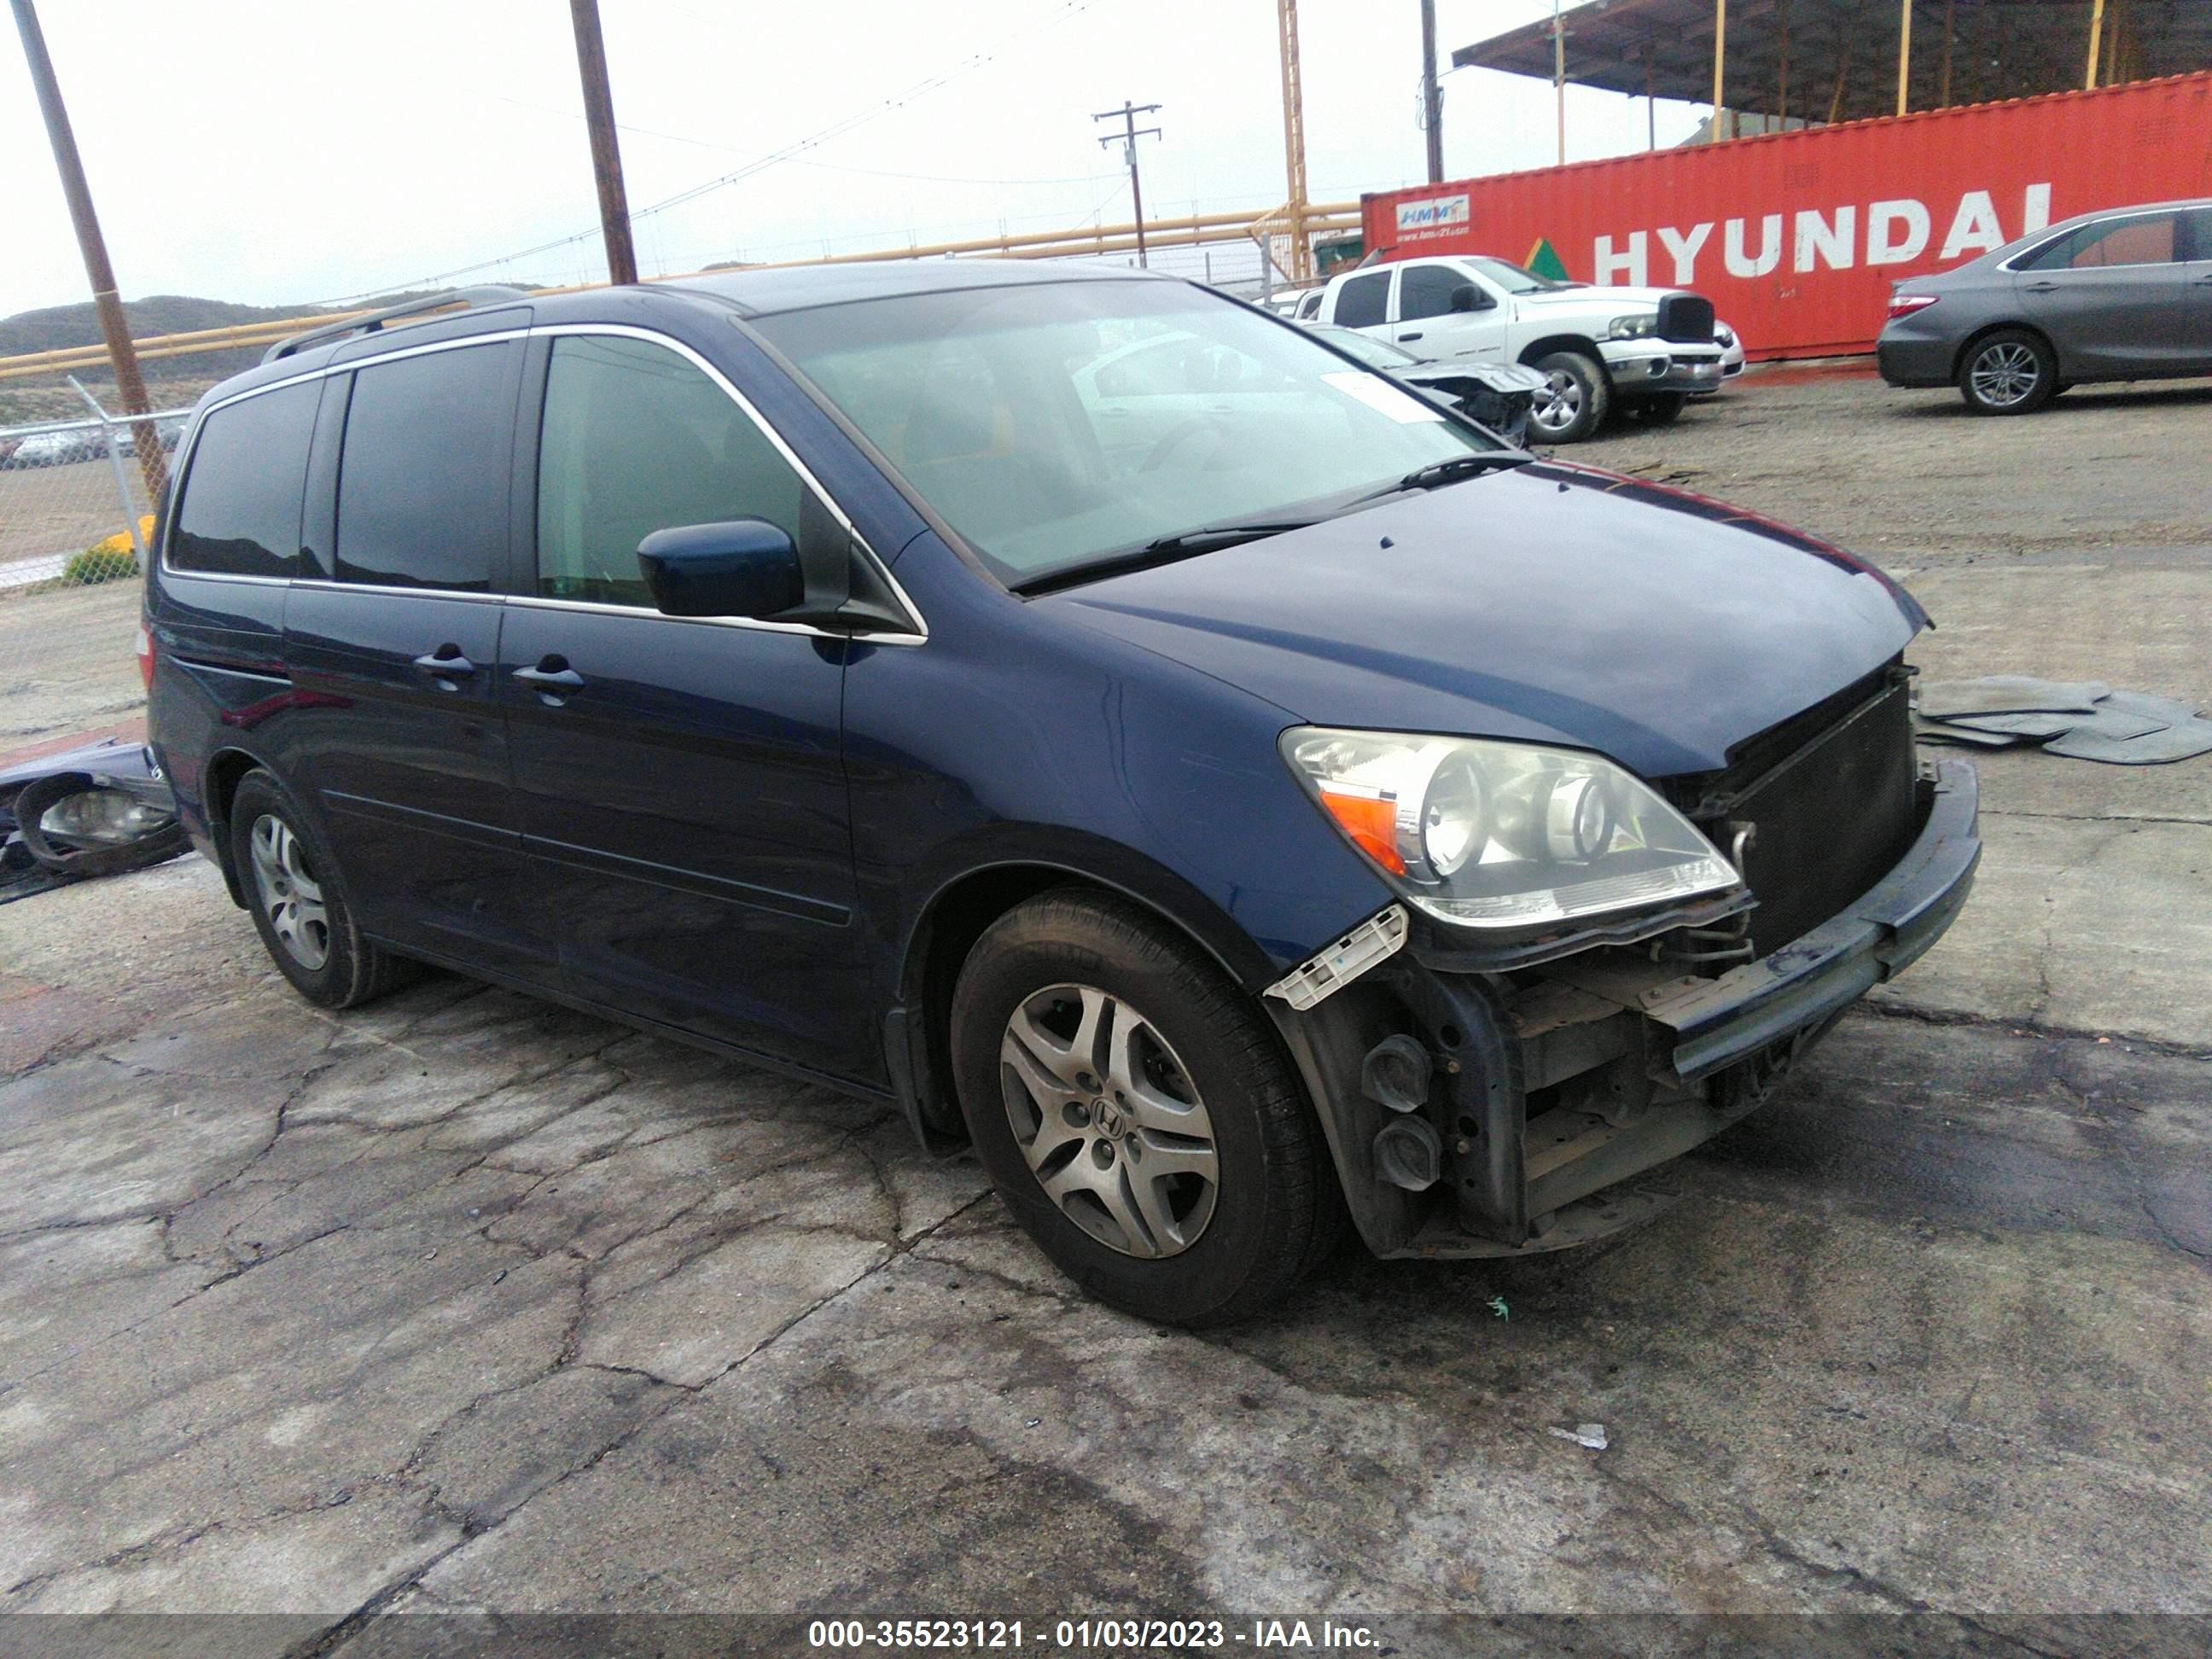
[(1439, 473), (1208, 538), (1213, 537)]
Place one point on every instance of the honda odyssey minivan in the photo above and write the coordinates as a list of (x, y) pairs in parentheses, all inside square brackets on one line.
[(1229, 793)]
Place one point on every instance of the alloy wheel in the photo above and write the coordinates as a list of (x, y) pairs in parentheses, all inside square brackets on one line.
[(1560, 406), (2005, 374), (1109, 1120), (291, 897)]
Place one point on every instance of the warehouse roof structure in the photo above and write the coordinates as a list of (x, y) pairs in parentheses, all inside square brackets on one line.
[(1841, 60)]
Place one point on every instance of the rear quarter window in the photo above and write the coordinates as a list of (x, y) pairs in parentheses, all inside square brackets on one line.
[(239, 511), (423, 476)]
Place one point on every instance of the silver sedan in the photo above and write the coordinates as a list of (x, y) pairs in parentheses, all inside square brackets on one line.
[(2121, 295)]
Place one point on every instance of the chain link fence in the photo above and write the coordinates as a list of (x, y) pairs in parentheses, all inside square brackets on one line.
[(76, 512)]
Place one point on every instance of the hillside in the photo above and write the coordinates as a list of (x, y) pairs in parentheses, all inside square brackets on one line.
[(57, 327)]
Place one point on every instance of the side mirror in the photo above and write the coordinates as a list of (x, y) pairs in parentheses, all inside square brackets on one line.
[(1467, 297), (744, 568)]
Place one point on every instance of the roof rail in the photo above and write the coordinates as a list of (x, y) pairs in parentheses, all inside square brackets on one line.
[(489, 294)]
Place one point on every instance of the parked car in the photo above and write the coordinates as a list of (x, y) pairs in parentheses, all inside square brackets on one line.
[(1731, 346), (1644, 351), (1316, 810), (62, 448), (2122, 294), (1498, 395), (167, 433)]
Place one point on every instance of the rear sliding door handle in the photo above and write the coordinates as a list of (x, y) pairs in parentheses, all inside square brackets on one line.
[(446, 663), (551, 676), (1415, 335)]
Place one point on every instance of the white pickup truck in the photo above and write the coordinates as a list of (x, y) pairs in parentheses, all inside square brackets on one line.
[(1645, 350)]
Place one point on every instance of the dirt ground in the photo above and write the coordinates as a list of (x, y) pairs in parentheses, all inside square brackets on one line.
[(463, 1304)]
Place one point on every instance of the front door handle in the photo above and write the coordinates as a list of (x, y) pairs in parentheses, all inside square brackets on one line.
[(2040, 288), (552, 677), (2206, 278), (1415, 335), (446, 663)]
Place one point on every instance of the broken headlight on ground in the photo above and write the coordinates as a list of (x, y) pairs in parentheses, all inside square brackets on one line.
[(1484, 834)]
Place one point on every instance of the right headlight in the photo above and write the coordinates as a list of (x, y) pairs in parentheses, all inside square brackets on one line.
[(1486, 834)]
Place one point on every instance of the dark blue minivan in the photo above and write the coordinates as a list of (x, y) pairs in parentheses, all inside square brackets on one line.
[(1230, 792)]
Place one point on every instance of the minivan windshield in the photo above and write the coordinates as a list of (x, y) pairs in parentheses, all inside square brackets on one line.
[(1064, 424)]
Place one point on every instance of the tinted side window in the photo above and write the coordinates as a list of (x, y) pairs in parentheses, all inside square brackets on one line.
[(240, 511), (1310, 306), (2147, 241), (422, 479), (636, 439), (1426, 290), (2196, 234), (1360, 302)]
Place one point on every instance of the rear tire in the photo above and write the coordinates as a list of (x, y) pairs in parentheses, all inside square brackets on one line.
[(298, 900), (2011, 371), (1137, 1113), (1577, 401)]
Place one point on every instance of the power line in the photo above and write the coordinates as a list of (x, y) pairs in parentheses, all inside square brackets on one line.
[(1127, 139), (835, 130), (801, 160)]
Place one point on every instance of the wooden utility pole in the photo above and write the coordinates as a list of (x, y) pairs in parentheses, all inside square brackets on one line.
[(1127, 139), (606, 152), (1294, 138), (2096, 39), (1433, 96), (114, 328)]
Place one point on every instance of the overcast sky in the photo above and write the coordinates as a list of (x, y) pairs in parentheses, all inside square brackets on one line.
[(270, 153)]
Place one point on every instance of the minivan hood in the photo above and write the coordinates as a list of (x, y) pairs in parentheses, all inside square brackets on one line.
[(1552, 603)]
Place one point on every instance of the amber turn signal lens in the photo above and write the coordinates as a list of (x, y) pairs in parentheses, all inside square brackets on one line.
[(1372, 823)]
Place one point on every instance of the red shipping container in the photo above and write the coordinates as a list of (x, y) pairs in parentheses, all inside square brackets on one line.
[(1797, 237)]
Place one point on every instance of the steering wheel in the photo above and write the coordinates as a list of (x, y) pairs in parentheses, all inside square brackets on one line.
[(1177, 437)]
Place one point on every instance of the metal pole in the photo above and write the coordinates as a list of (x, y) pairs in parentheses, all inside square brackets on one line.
[(1559, 78), (607, 153), (2096, 39), (1432, 97), (114, 328), (115, 460), (1651, 100), (1904, 55)]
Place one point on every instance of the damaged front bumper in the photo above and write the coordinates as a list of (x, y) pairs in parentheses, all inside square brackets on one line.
[(1500, 1113)]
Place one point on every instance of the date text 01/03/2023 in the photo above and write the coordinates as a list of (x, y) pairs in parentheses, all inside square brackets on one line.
[(1084, 1634)]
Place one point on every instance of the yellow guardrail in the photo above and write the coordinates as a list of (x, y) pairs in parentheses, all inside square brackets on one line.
[(1193, 230)]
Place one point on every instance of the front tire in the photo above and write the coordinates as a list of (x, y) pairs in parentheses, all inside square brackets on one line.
[(298, 901), (1574, 404), (2011, 371), (1137, 1113)]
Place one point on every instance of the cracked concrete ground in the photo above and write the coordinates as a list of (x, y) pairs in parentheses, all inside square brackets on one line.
[(463, 1302)]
